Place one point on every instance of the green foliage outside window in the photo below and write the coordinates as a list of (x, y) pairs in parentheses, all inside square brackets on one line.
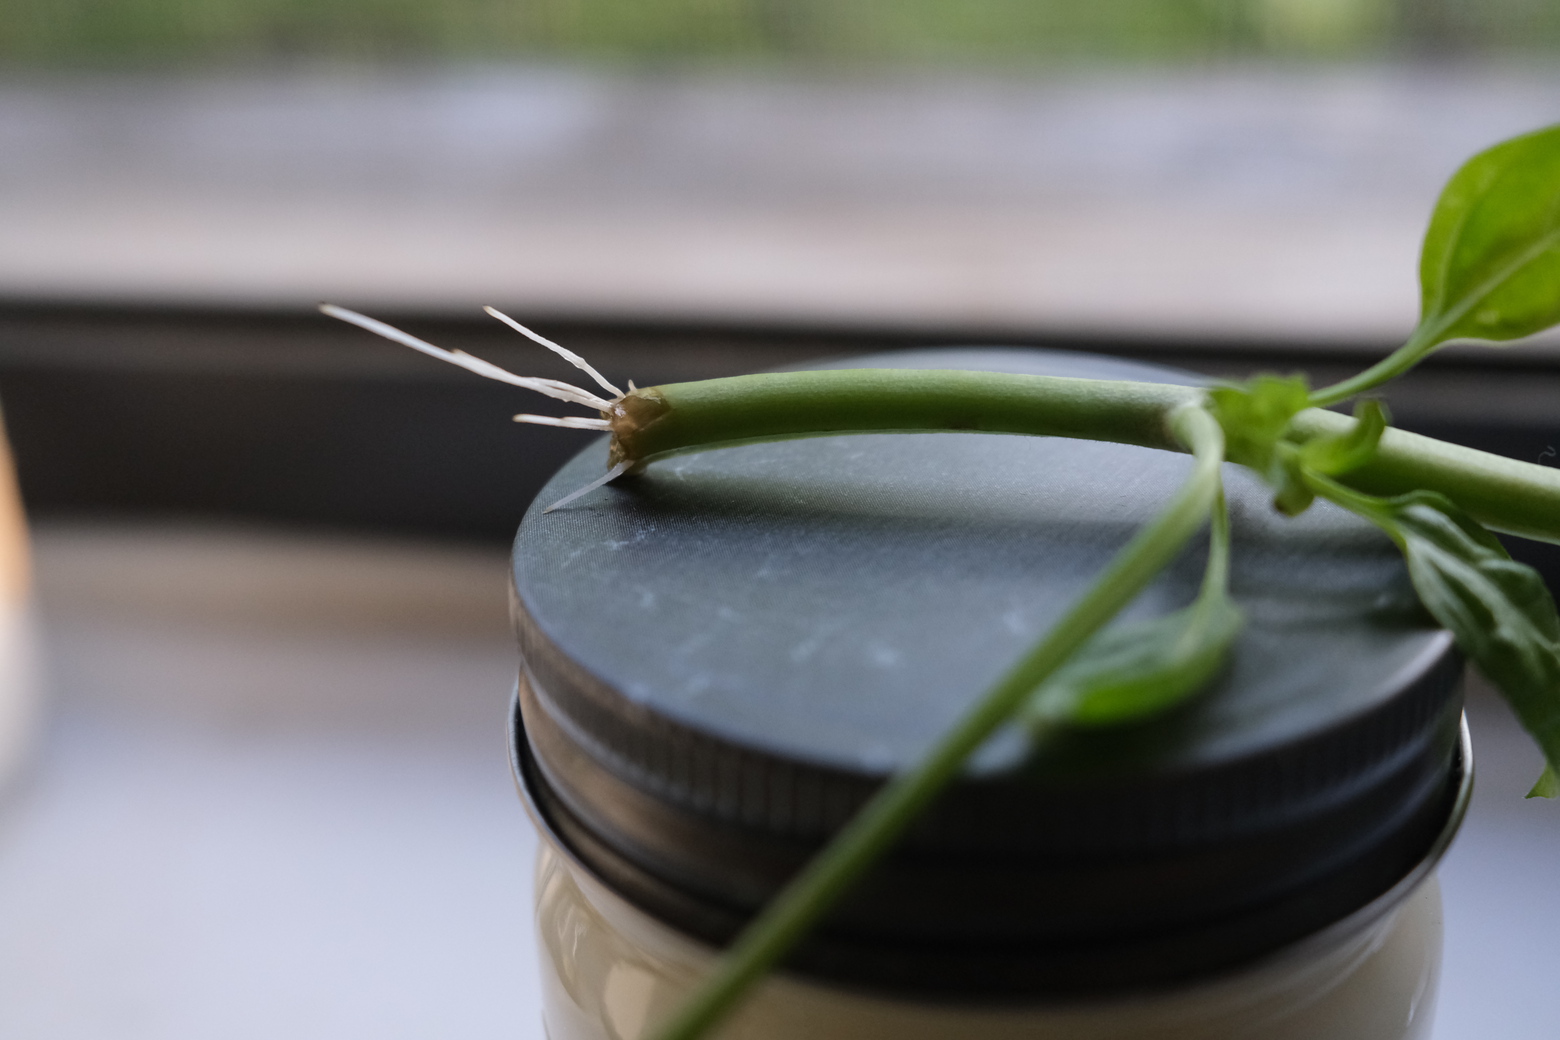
[(1003, 32)]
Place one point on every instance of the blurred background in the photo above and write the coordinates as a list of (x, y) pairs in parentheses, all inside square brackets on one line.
[(266, 793)]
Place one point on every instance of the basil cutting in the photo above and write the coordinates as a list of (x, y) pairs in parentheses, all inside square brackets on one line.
[(1489, 270)]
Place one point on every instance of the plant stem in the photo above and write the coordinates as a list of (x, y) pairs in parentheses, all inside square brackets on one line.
[(1424, 339), (1365, 505), (1517, 497), (823, 881), (1216, 577), (681, 417)]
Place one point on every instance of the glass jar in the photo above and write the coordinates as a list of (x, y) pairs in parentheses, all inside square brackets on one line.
[(609, 970), (724, 657)]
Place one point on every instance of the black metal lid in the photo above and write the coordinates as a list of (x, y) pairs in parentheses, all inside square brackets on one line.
[(724, 656)]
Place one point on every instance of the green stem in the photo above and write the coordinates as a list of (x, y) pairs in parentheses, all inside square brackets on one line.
[(711, 413), (1517, 497), (1424, 340), (822, 882), (1368, 506), (1216, 578)]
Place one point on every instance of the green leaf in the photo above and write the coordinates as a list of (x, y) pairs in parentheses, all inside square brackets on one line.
[(1291, 494), (1490, 268), (1327, 455), (1342, 452), (1255, 416), (1499, 611), (1133, 671), (1547, 786)]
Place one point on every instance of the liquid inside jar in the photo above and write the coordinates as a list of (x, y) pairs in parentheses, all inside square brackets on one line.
[(611, 972)]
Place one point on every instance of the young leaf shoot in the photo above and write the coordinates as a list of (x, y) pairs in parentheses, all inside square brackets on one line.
[(1490, 266)]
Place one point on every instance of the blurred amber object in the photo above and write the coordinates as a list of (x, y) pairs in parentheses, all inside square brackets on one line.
[(15, 561), (19, 678)]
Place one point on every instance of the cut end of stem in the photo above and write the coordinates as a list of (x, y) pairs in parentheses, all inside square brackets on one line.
[(632, 417)]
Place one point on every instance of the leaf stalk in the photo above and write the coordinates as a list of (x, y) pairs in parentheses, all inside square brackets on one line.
[(1424, 339)]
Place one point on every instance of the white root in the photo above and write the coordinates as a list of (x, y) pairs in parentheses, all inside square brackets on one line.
[(564, 352), (570, 422), (553, 388), (606, 478)]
